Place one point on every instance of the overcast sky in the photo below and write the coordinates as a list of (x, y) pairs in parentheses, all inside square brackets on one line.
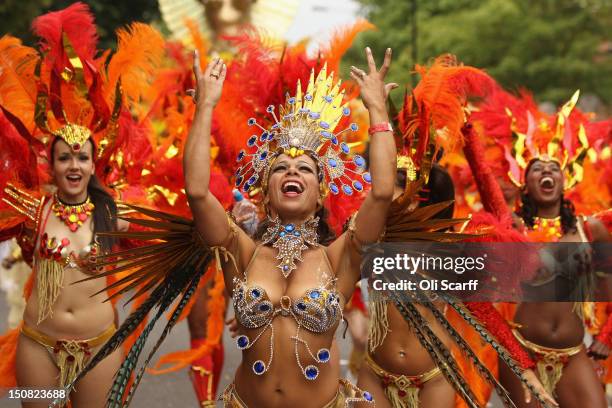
[(317, 18)]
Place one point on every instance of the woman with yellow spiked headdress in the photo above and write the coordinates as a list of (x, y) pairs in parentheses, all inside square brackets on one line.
[(545, 157), (61, 108), (292, 314)]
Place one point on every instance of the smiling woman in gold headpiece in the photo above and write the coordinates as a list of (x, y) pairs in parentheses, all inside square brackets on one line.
[(59, 114), (289, 286), (545, 162)]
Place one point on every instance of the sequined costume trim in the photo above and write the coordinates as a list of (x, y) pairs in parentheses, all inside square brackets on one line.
[(347, 395), (550, 362), (402, 391)]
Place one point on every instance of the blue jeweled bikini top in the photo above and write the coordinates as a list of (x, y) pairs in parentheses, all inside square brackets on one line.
[(318, 310)]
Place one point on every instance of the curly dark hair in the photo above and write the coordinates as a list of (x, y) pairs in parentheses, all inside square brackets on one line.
[(324, 231), (105, 211)]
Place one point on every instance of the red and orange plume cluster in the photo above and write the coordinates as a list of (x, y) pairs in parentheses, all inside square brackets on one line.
[(434, 113)]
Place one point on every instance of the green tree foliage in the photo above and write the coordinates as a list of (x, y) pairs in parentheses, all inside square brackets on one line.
[(551, 47), (17, 16)]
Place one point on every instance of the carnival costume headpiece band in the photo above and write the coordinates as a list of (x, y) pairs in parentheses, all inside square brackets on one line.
[(306, 125), (560, 148)]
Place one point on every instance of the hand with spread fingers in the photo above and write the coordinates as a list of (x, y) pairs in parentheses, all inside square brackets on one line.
[(209, 83), (374, 91)]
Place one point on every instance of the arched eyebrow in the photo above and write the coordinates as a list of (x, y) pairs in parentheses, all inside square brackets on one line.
[(305, 162)]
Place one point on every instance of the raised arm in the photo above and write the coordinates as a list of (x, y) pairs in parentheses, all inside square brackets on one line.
[(371, 219), (208, 213)]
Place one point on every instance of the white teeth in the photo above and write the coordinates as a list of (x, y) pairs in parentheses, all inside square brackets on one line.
[(289, 184), (547, 182)]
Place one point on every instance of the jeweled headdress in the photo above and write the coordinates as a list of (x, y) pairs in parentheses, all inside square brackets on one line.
[(543, 142), (305, 125)]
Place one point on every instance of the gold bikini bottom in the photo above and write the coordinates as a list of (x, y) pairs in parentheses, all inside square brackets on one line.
[(346, 395), (402, 391), (68, 355), (549, 361)]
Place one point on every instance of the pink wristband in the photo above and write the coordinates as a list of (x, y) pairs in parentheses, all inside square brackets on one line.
[(380, 127)]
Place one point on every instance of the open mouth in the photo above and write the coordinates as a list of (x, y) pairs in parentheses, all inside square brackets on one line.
[(292, 188), (547, 184), (74, 179)]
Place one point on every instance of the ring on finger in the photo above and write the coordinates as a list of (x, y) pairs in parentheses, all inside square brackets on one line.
[(214, 75)]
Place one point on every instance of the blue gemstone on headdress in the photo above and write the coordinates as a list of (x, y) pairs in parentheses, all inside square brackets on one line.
[(282, 234), (252, 180), (240, 155), (324, 125), (238, 181), (333, 188), (296, 233), (264, 307), (357, 185), (301, 306), (252, 140), (270, 108), (334, 140), (332, 162), (288, 116), (314, 115), (328, 99), (359, 161), (315, 294), (345, 148), (263, 136), (263, 155), (242, 342), (259, 367), (323, 355), (291, 100), (289, 227), (304, 110), (366, 177), (251, 121), (326, 134), (285, 268), (346, 111), (347, 189), (311, 372), (308, 97), (275, 126), (255, 293), (367, 396), (354, 127)]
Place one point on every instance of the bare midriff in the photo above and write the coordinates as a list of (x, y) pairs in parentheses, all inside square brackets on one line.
[(76, 315), (550, 324), (401, 352)]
